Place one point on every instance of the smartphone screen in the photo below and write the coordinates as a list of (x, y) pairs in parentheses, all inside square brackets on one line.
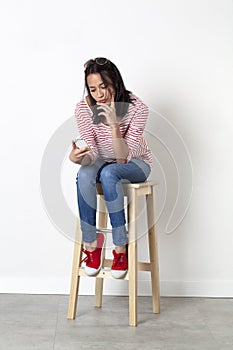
[(81, 143)]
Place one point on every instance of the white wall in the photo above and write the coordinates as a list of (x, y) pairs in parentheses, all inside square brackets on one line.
[(177, 56)]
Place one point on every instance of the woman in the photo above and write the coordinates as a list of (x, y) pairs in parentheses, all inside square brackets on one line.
[(111, 120)]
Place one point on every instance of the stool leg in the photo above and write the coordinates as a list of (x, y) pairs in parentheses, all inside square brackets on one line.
[(74, 276), (103, 219), (153, 250), (98, 291), (132, 259)]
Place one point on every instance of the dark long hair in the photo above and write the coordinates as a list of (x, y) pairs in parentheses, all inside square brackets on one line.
[(110, 76)]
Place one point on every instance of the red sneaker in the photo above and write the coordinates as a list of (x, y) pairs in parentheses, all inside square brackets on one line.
[(120, 264), (93, 259)]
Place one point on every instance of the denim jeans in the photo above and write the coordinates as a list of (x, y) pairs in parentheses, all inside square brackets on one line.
[(111, 176)]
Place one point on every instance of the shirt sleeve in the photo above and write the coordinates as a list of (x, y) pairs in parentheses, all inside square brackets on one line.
[(86, 132), (133, 137)]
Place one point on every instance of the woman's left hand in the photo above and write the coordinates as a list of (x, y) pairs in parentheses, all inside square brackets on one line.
[(108, 111)]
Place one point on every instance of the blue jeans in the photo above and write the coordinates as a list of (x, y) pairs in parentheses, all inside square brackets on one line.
[(111, 176)]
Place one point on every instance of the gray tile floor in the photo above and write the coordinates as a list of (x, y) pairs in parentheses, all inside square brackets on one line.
[(31, 322)]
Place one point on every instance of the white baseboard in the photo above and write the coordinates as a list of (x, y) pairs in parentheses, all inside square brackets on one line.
[(207, 288)]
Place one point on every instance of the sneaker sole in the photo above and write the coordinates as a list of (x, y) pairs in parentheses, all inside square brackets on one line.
[(118, 273)]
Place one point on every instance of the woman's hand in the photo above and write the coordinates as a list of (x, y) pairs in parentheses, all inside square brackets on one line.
[(109, 111), (119, 146), (80, 155)]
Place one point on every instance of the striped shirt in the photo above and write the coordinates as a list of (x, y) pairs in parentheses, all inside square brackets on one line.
[(99, 136)]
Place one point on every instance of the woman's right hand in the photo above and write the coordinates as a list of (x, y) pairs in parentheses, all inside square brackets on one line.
[(80, 155)]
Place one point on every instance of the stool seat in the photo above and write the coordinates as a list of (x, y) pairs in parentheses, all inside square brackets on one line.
[(131, 191)]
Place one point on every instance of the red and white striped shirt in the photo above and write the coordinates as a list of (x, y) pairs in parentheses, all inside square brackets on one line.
[(99, 136)]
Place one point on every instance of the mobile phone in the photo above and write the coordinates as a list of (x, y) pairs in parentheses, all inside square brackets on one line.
[(81, 143), (97, 116)]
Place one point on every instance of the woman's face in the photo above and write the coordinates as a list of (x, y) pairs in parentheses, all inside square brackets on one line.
[(99, 91)]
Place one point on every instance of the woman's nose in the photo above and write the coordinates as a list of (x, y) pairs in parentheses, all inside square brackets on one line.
[(99, 93)]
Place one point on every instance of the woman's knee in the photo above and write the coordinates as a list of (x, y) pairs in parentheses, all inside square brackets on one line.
[(86, 175), (109, 174)]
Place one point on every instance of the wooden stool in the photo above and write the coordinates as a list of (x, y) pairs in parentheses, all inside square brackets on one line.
[(132, 191)]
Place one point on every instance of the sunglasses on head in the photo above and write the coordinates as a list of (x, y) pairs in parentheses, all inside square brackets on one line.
[(101, 61)]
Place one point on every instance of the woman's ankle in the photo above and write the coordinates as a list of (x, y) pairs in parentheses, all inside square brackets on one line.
[(90, 246), (120, 249)]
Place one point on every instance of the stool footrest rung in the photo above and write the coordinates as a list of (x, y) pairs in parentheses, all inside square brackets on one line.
[(105, 271), (144, 266)]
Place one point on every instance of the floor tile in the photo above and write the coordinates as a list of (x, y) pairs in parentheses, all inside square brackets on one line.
[(39, 322)]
